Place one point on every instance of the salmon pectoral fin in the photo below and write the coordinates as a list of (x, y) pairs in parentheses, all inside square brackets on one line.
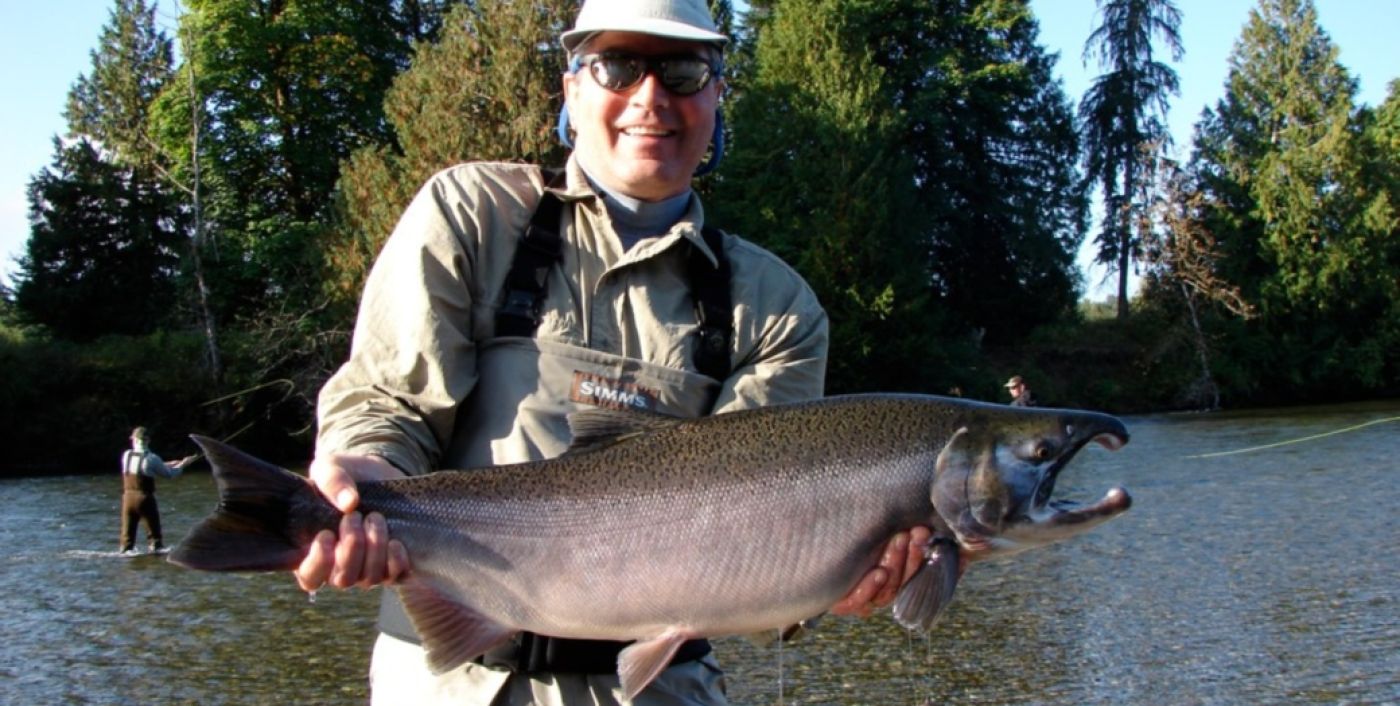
[(453, 633), (640, 662), (923, 598)]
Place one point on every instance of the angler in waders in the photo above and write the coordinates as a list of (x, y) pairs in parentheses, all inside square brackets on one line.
[(509, 295), (140, 468)]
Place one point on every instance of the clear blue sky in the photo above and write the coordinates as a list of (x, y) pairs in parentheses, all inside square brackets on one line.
[(45, 45)]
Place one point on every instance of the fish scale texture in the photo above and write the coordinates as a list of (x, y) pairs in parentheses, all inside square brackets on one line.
[(727, 524)]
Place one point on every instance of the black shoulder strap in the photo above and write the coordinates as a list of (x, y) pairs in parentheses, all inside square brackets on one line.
[(709, 284), (539, 249)]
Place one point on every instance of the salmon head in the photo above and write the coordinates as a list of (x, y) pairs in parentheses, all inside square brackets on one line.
[(995, 478)]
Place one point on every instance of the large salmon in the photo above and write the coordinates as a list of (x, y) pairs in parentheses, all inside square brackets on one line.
[(660, 530)]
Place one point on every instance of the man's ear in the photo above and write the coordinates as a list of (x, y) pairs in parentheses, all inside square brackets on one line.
[(569, 82)]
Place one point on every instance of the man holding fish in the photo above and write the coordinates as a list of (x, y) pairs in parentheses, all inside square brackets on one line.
[(509, 296)]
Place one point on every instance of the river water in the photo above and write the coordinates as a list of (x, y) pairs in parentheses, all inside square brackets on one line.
[(1270, 576)]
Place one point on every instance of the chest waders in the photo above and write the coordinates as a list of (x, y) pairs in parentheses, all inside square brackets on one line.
[(540, 248), (138, 503)]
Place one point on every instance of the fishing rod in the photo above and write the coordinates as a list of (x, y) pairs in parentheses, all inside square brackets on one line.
[(239, 393), (1295, 441)]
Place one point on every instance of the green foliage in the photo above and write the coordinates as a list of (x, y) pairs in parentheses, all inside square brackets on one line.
[(287, 90), (102, 252), (67, 407), (130, 67), (994, 140), (1301, 210), (488, 89), (811, 135), (1123, 111), (915, 163)]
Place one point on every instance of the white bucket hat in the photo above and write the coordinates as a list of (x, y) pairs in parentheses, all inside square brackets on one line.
[(688, 20)]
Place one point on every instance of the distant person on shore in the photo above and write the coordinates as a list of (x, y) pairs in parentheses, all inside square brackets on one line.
[(1020, 394), (140, 468)]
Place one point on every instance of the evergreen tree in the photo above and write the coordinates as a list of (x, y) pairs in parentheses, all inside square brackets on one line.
[(130, 67), (1124, 111), (287, 89), (102, 251), (1381, 147), (815, 172), (1281, 163), (488, 89), (931, 146), (994, 139), (104, 244)]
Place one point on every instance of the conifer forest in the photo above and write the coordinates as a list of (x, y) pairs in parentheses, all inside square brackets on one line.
[(201, 234)]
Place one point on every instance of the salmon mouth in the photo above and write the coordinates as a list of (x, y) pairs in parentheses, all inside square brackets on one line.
[(1112, 440)]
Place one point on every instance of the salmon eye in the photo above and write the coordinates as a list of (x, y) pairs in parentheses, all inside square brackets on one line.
[(1036, 451)]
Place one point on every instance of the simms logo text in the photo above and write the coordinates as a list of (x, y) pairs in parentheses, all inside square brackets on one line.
[(611, 394)]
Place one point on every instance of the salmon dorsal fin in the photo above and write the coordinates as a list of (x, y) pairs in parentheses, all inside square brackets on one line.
[(597, 428), (453, 633)]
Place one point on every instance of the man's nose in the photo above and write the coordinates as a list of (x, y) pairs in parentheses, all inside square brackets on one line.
[(649, 92)]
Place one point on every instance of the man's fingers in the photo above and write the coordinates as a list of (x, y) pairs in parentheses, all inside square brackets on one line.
[(376, 550), (335, 482), (398, 561), (893, 562), (918, 544), (349, 552), (317, 565), (857, 602)]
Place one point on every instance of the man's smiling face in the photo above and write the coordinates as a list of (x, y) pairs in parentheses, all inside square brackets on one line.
[(643, 141)]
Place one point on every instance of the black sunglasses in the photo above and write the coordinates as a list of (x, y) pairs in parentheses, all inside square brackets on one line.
[(683, 75)]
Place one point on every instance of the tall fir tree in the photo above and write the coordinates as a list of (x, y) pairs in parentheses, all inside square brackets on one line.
[(1123, 112), (130, 67), (815, 172), (994, 139), (102, 252), (488, 89), (930, 144), (1281, 163), (105, 235)]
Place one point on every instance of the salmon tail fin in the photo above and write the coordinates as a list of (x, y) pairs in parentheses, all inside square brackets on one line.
[(265, 520)]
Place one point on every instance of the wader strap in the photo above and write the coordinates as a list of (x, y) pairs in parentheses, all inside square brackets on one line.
[(528, 653), (540, 248), (710, 287), (127, 457)]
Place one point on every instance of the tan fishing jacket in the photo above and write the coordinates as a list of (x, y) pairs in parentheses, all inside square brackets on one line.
[(430, 301)]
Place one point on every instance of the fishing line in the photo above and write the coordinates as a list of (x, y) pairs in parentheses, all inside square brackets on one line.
[(239, 393), (1295, 441), (228, 438), (780, 666)]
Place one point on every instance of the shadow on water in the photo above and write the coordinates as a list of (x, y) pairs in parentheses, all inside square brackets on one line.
[(1264, 577)]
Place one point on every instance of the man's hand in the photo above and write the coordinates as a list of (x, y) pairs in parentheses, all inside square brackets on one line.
[(878, 588), (361, 553)]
